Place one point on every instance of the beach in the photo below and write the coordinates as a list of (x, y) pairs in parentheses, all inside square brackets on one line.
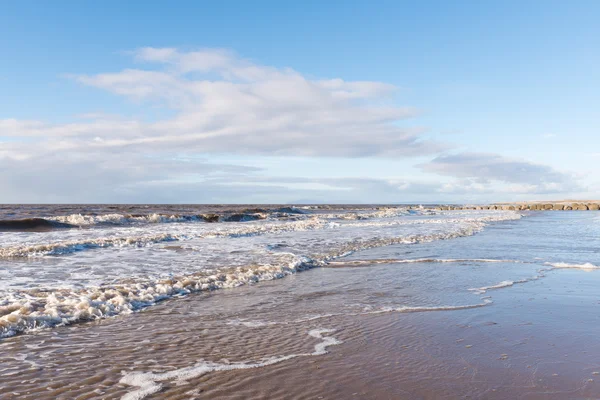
[(387, 303)]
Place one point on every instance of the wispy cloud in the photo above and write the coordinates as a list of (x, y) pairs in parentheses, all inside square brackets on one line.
[(521, 175), (224, 103), (221, 103)]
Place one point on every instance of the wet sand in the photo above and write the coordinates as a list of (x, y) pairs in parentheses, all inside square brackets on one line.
[(520, 348), (537, 340)]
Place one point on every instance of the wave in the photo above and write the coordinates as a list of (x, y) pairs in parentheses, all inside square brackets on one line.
[(245, 215), (409, 309), (503, 284), (31, 225), (26, 310), (67, 247), (561, 265), (251, 214), (541, 274), (312, 223), (290, 210), (73, 246), (382, 213), (383, 310), (339, 264), (148, 383), (121, 219), (34, 309)]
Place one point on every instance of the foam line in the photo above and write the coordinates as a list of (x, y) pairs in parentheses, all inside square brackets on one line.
[(148, 383)]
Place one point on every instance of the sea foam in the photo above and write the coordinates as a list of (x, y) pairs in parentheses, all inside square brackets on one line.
[(148, 383), (24, 310)]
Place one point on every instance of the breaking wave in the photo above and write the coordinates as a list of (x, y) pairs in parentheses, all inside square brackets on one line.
[(31, 225), (313, 223), (24, 310), (116, 219), (67, 247)]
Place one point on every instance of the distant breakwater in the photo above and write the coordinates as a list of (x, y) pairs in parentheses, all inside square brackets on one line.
[(562, 206)]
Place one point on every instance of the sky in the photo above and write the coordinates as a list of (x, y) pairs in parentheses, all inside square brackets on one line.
[(299, 102)]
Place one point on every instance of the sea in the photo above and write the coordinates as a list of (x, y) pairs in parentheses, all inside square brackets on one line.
[(307, 301)]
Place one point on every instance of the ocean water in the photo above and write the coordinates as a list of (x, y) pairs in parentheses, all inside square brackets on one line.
[(150, 301)]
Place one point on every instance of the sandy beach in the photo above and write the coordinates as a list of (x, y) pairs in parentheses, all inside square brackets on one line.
[(479, 316)]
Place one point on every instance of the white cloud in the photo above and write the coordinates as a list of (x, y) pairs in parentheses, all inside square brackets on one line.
[(224, 103), (220, 103), (521, 176)]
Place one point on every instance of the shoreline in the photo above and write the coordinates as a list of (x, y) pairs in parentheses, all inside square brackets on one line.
[(481, 317)]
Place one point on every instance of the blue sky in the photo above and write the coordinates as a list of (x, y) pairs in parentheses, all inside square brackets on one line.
[(459, 101)]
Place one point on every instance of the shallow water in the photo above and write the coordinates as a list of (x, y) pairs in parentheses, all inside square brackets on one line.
[(105, 269), (373, 281)]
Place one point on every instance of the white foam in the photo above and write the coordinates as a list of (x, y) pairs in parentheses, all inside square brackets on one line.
[(120, 219), (507, 283), (469, 226), (30, 310), (66, 247), (149, 383), (409, 309), (72, 246), (500, 285), (586, 266), (25, 310)]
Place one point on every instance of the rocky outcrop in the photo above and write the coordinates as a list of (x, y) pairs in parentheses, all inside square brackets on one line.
[(537, 206)]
